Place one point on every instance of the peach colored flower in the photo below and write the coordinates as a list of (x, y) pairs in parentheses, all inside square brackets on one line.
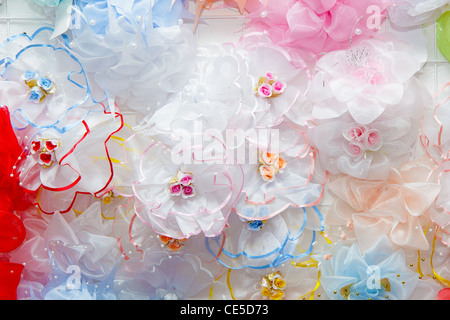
[(396, 207)]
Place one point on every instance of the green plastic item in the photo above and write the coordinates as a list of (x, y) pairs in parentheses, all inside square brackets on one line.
[(443, 34)]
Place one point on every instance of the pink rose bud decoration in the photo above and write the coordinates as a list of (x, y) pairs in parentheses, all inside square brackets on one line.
[(268, 86), (270, 76), (175, 189), (188, 191), (373, 140), (360, 140), (377, 78), (185, 178), (265, 90), (182, 184), (355, 150), (356, 133), (278, 86)]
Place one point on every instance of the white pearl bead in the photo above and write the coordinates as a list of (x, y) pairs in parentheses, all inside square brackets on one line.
[(263, 14)]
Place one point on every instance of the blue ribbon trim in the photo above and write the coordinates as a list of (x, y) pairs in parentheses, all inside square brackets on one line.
[(19, 114), (280, 258)]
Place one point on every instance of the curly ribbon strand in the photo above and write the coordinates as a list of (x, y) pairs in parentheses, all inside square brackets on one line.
[(311, 263), (211, 290), (442, 280), (229, 284), (425, 140), (325, 236), (419, 268)]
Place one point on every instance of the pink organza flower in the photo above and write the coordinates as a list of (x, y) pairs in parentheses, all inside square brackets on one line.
[(397, 207), (318, 26)]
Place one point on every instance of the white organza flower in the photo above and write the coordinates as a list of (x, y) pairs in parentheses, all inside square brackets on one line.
[(277, 83), (219, 96), (413, 13), (159, 276), (263, 244), (59, 166), (365, 151), (286, 282), (183, 191), (85, 241), (280, 171), (43, 84), (132, 60)]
